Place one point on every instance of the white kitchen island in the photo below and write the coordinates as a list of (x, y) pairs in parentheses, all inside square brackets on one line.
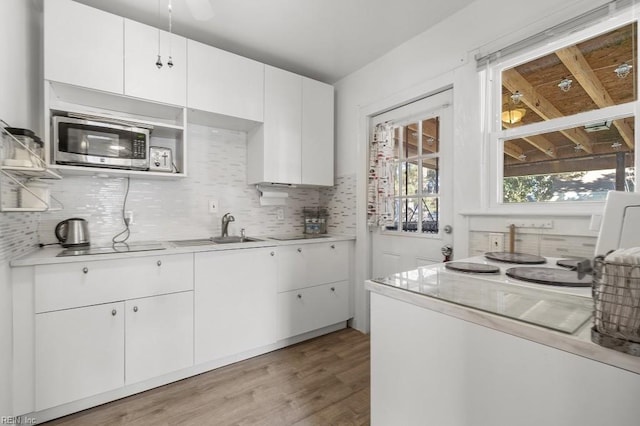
[(437, 360)]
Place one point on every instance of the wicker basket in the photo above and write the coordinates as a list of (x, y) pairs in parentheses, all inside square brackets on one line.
[(616, 296)]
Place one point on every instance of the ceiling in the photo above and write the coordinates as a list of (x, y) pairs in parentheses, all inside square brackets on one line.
[(322, 39), (590, 65)]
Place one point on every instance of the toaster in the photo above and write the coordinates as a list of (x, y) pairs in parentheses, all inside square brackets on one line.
[(160, 159)]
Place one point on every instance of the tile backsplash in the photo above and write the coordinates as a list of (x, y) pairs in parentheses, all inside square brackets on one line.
[(166, 209), (18, 234), (340, 201), (178, 208), (537, 243)]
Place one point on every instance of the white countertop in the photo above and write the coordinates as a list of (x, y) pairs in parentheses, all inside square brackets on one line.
[(48, 255), (507, 305)]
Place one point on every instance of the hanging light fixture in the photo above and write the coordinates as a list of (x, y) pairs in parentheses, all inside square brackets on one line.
[(516, 97), (513, 116), (522, 157), (170, 61), (578, 147), (623, 70), (616, 145), (159, 58), (565, 84)]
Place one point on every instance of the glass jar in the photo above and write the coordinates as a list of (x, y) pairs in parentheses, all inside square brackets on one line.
[(17, 154)]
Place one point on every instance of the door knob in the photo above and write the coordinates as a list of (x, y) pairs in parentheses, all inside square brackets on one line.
[(85, 270), (114, 312), (135, 309)]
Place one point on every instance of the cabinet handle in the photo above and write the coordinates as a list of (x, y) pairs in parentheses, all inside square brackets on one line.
[(333, 246), (299, 250), (85, 270), (159, 263), (333, 289), (114, 312), (273, 253), (135, 309), (299, 296)]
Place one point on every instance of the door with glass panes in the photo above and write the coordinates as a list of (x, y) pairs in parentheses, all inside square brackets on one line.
[(422, 195)]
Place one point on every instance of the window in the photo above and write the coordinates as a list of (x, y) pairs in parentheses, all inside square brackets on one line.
[(566, 128), (416, 176)]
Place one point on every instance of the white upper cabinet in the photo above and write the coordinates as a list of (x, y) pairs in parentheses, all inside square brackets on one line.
[(83, 46), (282, 132), (142, 78), (224, 83), (297, 133), (317, 133)]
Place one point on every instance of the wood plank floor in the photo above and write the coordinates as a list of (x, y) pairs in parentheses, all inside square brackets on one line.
[(323, 381)]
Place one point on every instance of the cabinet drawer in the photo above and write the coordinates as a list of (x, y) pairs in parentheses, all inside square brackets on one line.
[(70, 285), (309, 265), (311, 308), (328, 263)]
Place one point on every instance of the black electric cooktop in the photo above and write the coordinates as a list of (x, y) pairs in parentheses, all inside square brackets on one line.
[(114, 248)]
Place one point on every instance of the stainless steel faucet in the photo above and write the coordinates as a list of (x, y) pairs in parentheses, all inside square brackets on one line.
[(225, 224)]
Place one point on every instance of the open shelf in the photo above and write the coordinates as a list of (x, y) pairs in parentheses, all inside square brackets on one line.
[(30, 172), (103, 172), (166, 123)]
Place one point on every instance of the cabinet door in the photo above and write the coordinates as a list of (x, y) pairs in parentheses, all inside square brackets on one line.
[(317, 133), (79, 353), (83, 46), (308, 309), (282, 126), (235, 302), (224, 83), (159, 335), (142, 78)]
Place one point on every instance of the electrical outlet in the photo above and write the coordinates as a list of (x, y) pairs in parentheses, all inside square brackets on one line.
[(213, 205), (128, 216), (496, 241), (280, 213)]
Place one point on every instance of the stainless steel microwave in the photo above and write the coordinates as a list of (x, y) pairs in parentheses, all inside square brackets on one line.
[(90, 142)]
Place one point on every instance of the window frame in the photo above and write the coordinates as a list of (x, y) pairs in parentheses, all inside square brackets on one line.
[(495, 136), (418, 118)]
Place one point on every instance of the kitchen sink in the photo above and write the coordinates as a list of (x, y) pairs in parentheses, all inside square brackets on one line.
[(233, 239), (213, 241)]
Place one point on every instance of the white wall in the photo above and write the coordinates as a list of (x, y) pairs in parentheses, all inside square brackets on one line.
[(443, 55), (19, 106)]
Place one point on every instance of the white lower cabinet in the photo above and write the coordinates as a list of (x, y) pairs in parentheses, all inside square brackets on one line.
[(89, 350), (79, 352), (308, 309), (158, 335), (235, 308), (102, 325)]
